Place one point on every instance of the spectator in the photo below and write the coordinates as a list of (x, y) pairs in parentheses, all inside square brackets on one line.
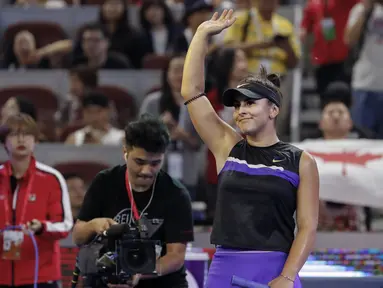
[(336, 121), (269, 40), (367, 73), (229, 67), (160, 30), (17, 105), (22, 53), (255, 32), (94, 45), (326, 22), (196, 12), (81, 81), (181, 161), (76, 189), (124, 38), (41, 197), (336, 124), (98, 129)]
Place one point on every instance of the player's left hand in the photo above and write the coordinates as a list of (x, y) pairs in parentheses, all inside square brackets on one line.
[(281, 282), (131, 284)]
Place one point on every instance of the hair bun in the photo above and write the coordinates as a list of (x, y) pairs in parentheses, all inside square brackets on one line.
[(274, 78)]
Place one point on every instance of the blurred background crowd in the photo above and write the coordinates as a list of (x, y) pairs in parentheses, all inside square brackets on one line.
[(84, 68), (340, 84)]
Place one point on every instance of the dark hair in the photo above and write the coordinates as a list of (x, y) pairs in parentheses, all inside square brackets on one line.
[(148, 133), (18, 122), (167, 101), (270, 81), (168, 16), (122, 23), (88, 76), (95, 98), (337, 92), (26, 107), (68, 176), (94, 26), (222, 65)]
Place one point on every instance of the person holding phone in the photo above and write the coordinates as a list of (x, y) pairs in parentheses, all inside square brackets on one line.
[(262, 181)]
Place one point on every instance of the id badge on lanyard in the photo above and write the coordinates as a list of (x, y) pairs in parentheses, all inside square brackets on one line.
[(13, 239), (328, 29), (327, 23)]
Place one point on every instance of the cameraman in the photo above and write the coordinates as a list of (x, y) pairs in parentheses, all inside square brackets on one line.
[(155, 194)]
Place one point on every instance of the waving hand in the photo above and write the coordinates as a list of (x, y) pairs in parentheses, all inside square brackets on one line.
[(217, 23)]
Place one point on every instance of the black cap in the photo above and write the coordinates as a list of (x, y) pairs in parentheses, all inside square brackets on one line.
[(250, 90)]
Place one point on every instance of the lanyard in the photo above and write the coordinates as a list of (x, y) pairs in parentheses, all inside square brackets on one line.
[(16, 196), (131, 199)]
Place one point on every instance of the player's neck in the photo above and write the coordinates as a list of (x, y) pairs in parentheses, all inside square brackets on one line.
[(263, 138), (20, 166)]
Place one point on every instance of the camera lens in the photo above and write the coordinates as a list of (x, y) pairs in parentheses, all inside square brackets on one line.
[(136, 257)]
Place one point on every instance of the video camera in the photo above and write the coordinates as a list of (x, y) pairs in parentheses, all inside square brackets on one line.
[(119, 253)]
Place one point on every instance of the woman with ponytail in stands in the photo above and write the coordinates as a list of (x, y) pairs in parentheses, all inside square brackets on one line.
[(262, 181)]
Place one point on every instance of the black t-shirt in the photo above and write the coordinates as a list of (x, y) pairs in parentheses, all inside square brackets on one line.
[(107, 197)]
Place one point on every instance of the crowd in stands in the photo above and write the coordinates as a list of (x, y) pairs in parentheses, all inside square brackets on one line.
[(344, 50)]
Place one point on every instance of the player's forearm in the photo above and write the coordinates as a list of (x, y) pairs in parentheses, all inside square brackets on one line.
[(193, 80), (82, 232), (299, 252)]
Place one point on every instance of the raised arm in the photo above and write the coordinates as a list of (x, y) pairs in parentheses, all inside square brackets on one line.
[(217, 135)]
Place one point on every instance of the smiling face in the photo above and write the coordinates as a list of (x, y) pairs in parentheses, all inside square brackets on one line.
[(252, 116)]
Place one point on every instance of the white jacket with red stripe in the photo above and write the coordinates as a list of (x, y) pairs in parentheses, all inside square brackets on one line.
[(48, 201)]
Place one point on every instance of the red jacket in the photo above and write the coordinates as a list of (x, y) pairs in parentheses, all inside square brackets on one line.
[(48, 202), (327, 52)]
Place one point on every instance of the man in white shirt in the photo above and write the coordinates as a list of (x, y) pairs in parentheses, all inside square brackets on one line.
[(367, 80)]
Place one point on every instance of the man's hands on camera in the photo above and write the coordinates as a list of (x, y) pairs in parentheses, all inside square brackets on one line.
[(130, 284), (99, 225)]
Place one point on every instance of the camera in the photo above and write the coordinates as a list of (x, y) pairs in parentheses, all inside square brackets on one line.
[(119, 253)]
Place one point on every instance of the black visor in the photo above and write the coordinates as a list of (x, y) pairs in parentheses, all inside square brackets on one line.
[(250, 90)]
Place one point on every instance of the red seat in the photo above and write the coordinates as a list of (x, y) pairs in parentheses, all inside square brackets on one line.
[(44, 32), (124, 102), (87, 170), (44, 100), (156, 62), (69, 129)]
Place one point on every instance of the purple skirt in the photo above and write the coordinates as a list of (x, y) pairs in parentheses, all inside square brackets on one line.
[(260, 267)]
